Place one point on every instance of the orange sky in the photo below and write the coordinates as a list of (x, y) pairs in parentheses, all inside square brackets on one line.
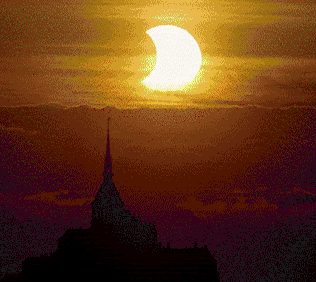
[(163, 159), (228, 148), (97, 52), (246, 123)]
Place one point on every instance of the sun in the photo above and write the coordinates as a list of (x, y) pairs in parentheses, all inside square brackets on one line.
[(178, 59)]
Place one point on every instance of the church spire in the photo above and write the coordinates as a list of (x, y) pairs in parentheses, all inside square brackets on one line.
[(108, 160)]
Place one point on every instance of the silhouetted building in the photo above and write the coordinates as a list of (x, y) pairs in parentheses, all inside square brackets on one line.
[(109, 215), (12, 277), (119, 245)]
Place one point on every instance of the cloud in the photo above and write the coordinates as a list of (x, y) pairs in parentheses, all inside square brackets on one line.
[(239, 204), (61, 198), (299, 191), (18, 129)]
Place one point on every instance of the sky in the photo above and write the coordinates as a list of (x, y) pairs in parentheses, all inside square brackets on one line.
[(233, 143), (97, 53), (249, 111)]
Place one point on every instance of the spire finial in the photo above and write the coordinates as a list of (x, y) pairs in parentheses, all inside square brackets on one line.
[(108, 160), (108, 129)]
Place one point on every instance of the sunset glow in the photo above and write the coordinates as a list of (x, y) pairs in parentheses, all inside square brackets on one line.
[(196, 117)]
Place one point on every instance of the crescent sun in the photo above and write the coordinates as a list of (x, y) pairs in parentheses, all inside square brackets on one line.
[(178, 58)]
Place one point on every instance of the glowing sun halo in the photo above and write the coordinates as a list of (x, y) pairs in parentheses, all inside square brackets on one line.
[(178, 59)]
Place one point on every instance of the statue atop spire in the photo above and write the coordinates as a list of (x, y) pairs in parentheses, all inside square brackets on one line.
[(108, 160)]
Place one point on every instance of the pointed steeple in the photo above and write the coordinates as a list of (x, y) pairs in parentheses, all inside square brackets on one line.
[(108, 160), (108, 194)]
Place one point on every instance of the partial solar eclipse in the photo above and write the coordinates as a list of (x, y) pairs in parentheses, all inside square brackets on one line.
[(178, 59)]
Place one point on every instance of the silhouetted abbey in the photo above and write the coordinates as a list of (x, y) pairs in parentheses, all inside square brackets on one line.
[(109, 215), (118, 246)]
